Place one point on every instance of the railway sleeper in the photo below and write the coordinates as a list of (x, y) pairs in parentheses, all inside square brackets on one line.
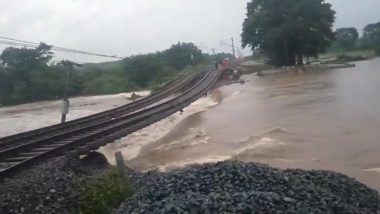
[(113, 137), (29, 153), (44, 149), (73, 138), (100, 142), (16, 159), (119, 134), (94, 145), (5, 165), (82, 150), (59, 142)]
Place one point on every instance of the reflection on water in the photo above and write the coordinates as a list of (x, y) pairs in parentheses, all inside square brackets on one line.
[(320, 119)]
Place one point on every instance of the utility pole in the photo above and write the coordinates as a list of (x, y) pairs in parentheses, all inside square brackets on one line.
[(233, 46), (213, 51), (69, 67)]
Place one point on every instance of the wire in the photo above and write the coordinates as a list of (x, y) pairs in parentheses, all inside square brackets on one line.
[(18, 42)]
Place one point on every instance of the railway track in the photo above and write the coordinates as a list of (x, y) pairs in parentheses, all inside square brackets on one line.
[(170, 89), (81, 140)]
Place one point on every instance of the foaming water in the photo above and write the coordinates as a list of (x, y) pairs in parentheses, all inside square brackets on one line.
[(132, 145)]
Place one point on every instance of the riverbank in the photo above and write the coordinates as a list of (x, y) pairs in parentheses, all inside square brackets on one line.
[(330, 60), (249, 67)]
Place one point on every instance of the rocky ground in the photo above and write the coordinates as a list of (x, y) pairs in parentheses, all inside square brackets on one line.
[(224, 187), (236, 187), (49, 187)]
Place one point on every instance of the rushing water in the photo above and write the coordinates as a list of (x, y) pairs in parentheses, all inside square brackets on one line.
[(312, 120), (315, 120)]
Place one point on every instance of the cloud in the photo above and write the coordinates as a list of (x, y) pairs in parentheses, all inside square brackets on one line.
[(126, 27)]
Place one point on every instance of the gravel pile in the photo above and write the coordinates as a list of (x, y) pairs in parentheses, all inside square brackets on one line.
[(236, 187), (48, 187)]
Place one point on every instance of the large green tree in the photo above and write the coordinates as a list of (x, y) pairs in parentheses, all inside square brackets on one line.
[(371, 35), (182, 54), (287, 30), (143, 69), (346, 38), (28, 75)]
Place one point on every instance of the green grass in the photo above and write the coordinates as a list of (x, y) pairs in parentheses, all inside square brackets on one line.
[(354, 53), (101, 195)]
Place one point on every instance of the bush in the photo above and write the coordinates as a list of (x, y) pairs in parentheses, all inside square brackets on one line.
[(346, 58), (108, 84), (103, 194), (377, 51)]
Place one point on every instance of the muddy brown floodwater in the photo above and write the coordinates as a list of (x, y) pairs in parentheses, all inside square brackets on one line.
[(312, 120)]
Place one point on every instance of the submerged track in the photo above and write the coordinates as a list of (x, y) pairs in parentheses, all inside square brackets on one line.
[(171, 88), (85, 134)]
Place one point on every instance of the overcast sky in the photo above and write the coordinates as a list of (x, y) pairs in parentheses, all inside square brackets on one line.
[(126, 27)]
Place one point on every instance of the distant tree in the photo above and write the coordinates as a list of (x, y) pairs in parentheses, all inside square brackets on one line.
[(108, 83), (22, 67), (219, 57), (346, 38), (28, 74), (182, 54), (288, 30), (371, 35), (6, 86), (143, 69)]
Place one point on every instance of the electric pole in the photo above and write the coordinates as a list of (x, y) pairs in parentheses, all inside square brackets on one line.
[(69, 68), (233, 46)]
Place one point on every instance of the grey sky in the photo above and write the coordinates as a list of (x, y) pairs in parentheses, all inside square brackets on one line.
[(126, 27)]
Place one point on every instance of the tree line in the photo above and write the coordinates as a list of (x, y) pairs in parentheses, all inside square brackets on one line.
[(28, 75), (288, 31), (349, 39)]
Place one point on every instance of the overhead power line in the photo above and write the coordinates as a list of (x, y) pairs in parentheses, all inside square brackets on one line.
[(23, 43)]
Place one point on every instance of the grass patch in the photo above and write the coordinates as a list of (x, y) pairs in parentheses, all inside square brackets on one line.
[(102, 195), (248, 69), (346, 58), (355, 53)]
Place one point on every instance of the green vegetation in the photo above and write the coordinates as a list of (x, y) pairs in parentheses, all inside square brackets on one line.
[(103, 194), (348, 43), (287, 31), (28, 75), (346, 58), (283, 33), (371, 36), (377, 52), (345, 38), (334, 54)]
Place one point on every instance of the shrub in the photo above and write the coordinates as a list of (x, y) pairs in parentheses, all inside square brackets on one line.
[(346, 58), (102, 195), (377, 51)]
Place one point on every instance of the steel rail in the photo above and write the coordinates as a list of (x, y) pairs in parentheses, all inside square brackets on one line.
[(17, 139), (96, 135)]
